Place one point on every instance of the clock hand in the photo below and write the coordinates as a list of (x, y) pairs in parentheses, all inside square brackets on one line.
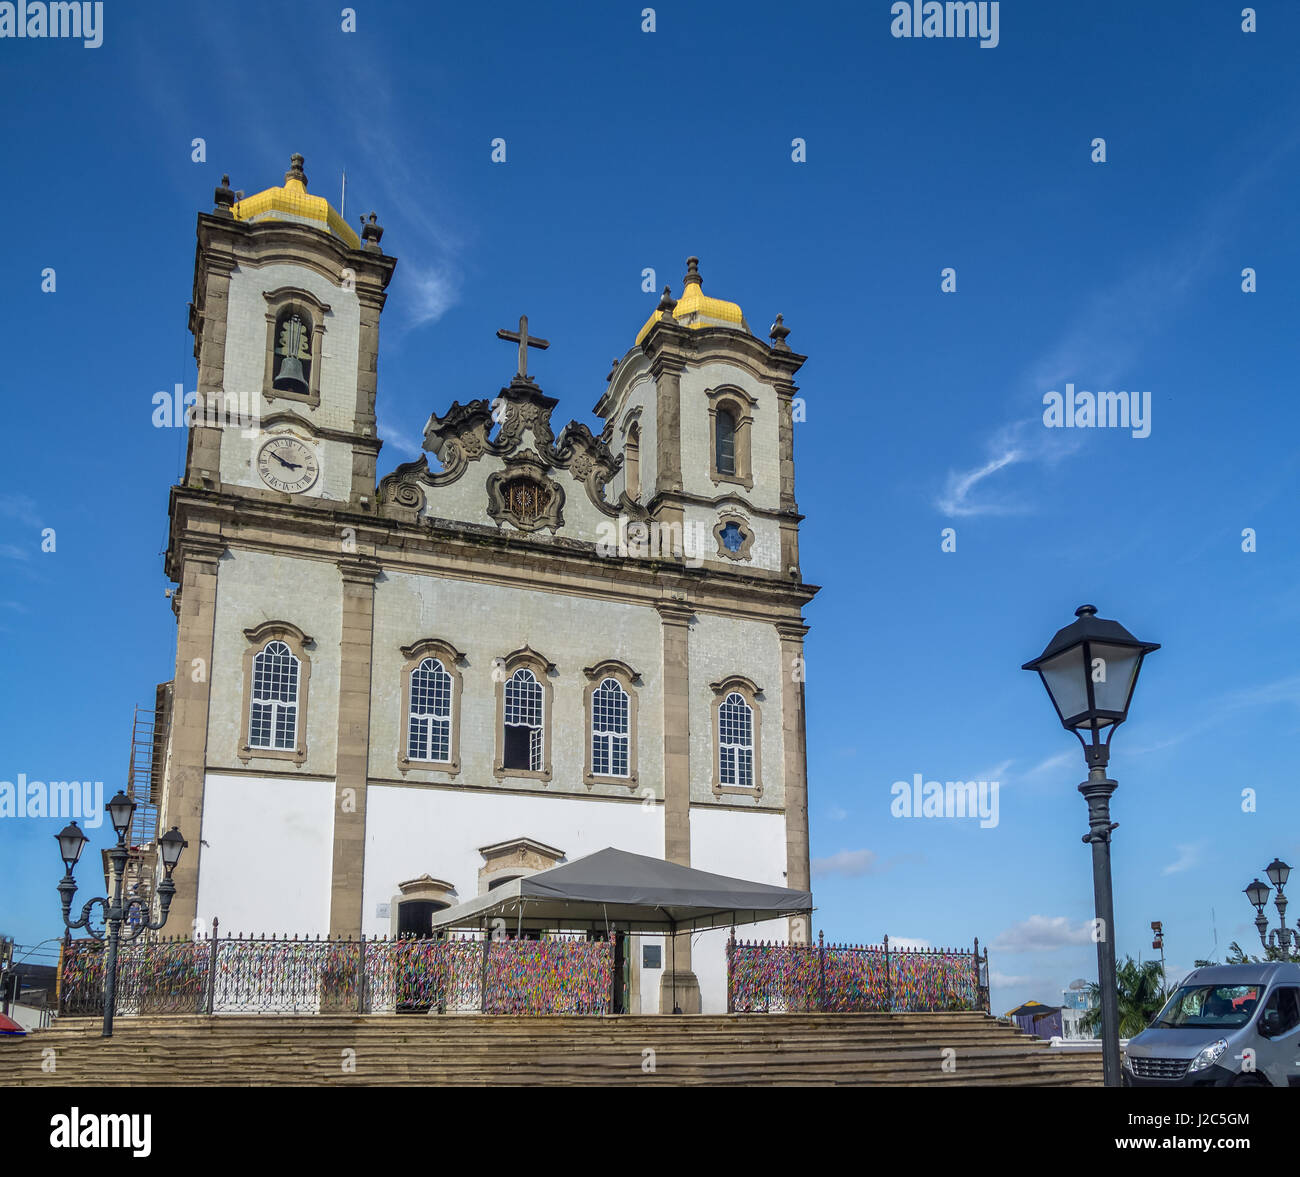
[(290, 465)]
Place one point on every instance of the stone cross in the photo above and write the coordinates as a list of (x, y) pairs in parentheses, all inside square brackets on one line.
[(522, 338)]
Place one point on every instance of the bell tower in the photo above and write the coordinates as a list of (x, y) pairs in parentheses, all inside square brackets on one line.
[(285, 317)]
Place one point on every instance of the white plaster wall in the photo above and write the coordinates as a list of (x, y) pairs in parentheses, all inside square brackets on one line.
[(253, 587), (764, 434), (268, 863), (245, 359), (414, 831), (722, 646), (746, 846), (487, 621)]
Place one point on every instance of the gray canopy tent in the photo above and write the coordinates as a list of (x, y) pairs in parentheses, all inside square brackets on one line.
[(634, 892)]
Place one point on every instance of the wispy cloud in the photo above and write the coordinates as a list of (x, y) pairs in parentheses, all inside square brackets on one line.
[(966, 493), (402, 442), (1042, 933), (1189, 855), (1098, 350), (21, 508)]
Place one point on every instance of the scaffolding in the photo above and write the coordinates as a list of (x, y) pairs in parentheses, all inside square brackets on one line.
[(143, 786)]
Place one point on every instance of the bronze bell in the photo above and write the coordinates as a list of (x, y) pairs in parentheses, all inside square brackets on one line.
[(291, 377)]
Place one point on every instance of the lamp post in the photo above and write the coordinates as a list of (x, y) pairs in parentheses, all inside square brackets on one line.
[(1280, 938), (135, 912), (1090, 669)]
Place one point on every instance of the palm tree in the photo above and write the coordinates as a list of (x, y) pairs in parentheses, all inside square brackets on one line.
[(1141, 996)]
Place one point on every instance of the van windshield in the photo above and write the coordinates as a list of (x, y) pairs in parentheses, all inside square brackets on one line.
[(1210, 1005)]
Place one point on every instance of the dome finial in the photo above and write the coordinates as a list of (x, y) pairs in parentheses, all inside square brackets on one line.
[(295, 171), (693, 273), (371, 232), (777, 334), (667, 302), (224, 197)]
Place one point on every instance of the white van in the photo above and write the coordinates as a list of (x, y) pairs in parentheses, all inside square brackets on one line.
[(1232, 1025)]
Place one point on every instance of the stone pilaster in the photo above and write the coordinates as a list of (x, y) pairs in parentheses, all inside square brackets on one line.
[(794, 741), (352, 768), (676, 616), (370, 296), (187, 768), (208, 321)]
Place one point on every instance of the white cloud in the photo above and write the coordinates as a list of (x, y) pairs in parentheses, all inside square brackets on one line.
[(903, 943), (1042, 933), (849, 864)]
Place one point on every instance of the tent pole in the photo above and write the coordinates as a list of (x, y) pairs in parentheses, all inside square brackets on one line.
[(673, 925)]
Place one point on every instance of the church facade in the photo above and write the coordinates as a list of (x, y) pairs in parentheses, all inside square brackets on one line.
[(393, 694)]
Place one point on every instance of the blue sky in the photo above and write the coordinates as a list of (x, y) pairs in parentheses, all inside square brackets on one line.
[(628, 150)]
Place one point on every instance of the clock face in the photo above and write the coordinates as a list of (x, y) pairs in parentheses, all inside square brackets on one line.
[(287, 464)]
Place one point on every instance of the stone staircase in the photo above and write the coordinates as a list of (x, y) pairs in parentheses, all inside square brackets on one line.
[(897, 1050)]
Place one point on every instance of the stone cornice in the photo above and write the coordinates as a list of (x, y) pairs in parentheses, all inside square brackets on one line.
[(215, 521)]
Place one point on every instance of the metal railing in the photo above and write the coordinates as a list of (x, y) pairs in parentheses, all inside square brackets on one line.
[(765, 977), (562, 973)]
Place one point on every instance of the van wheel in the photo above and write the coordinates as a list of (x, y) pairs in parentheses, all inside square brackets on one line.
[(1249, 1080)]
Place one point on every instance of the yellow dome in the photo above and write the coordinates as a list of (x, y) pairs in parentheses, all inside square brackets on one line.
[(292, 203), (695, 309)]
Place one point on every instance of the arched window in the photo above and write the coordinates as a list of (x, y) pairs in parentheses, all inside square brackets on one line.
[(428, 735), (724, 460), (273, 719), (632, 462), (609, 730), (736, 742), (293, 341), (522, 731)]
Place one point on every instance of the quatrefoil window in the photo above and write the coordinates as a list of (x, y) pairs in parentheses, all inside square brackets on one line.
[(732, 537)]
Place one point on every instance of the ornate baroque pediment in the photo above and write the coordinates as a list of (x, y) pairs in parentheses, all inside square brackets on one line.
[(463, 435)]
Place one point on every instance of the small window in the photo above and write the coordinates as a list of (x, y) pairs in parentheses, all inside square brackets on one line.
[(429, 730), (609, 730), (725, 439), (632, 462), (522, 735), (736, 742), (273, 720)]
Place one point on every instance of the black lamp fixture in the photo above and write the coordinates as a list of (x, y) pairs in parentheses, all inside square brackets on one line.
[(71, 843), (1090, 669), (134, 912), (1277, 941)]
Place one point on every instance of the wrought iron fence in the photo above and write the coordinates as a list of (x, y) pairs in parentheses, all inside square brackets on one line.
[(853, 978), (559, 974)]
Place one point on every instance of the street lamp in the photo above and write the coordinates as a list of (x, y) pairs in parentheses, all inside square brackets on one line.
[(1090, 669), (1281, 937), (114, 913)]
